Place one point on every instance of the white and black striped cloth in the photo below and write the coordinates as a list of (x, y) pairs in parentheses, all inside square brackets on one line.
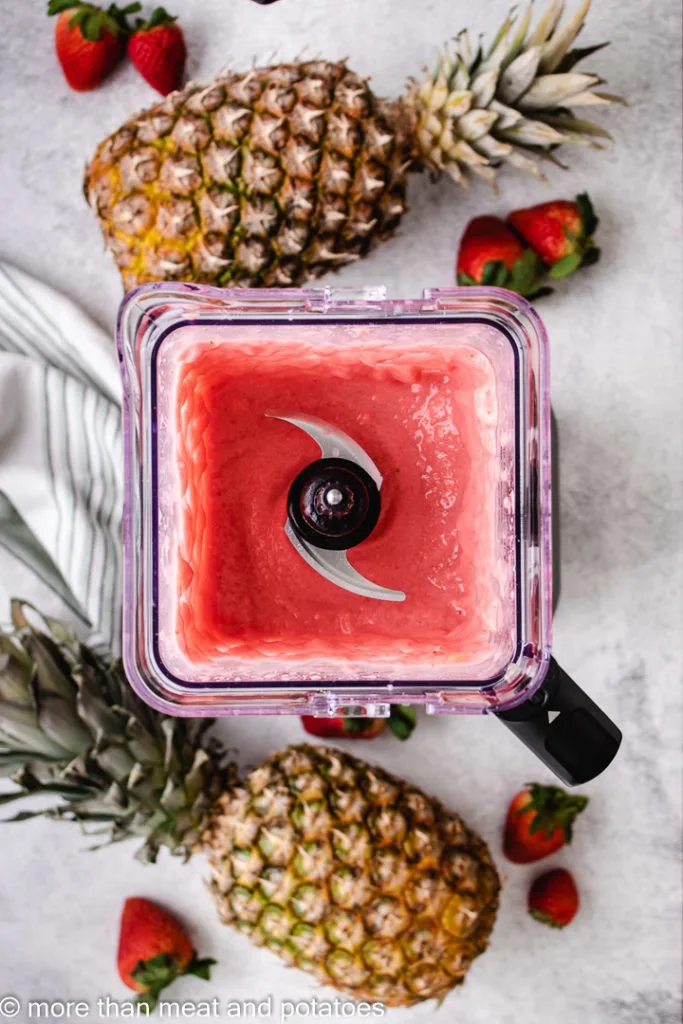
[(60, 460)]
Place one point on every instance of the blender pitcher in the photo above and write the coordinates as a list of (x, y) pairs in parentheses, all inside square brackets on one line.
[(337, 501)]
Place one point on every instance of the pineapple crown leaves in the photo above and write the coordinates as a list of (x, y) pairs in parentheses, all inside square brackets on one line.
[(71, 727), (553, 808), (479, 109), (158, 972), (93, 20)]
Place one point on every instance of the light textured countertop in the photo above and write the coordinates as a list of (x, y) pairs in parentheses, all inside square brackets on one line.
[(616, 369)]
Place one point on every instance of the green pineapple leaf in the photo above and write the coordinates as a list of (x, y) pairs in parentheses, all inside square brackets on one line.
[(579, 53), (18, 538)]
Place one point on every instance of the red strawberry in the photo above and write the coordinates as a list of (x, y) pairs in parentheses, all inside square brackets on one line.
[(89, 41), (554, 898), (539, 822), (157, 49), (560, 233), (490, 254), (401, 721), (154, 950)]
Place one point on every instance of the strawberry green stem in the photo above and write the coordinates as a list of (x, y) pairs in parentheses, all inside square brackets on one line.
[(159, 16), (158, 972), (93, 20), (553, 808), (402, 720)]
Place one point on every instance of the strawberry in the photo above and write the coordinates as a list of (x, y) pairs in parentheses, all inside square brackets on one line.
[(554, 898), (490, 254), (154, 950), (401, 721), (89, 41), (539, 822), (560, 233), (157, 49)]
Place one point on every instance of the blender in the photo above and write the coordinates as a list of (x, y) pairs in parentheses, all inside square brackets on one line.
[(336, 501)]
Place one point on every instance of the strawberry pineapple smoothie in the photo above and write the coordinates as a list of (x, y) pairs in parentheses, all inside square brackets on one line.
[(427, 416)]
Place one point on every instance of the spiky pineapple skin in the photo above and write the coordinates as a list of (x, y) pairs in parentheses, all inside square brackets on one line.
[(268, 178), (287, 172), (337, 866), (353, 875)]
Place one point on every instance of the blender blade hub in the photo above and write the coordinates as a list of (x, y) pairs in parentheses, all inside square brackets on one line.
[(334, 504)]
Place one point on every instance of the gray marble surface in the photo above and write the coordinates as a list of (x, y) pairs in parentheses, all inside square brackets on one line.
[(617, 386)]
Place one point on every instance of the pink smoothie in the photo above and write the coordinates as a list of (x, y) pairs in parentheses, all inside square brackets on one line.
[(427, 417)]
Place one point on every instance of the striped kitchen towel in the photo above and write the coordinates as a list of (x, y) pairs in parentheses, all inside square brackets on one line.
[(61, 487)]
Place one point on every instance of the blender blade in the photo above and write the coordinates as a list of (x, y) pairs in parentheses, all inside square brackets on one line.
[(334, 443), (334, 565)]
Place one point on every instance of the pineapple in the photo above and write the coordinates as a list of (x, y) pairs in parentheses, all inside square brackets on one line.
[(338, 867), (284, 173)]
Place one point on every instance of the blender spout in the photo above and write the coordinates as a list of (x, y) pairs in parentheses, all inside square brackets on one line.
[(565, 728)]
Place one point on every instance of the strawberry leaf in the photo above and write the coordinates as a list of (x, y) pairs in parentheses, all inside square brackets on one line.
[(200, 968), (57, 6), (540, 915), (112, 24), (120, 16), (357, 726), (159, 16), (79, 17), (566, 266), (589, 217), (492, 273), (157, 972), (591, 256), (402, 720), (501, 278), (525, 273), (91, 25), (148, 999), (464, 279), (552, 808), (92, 20), (540, 293)]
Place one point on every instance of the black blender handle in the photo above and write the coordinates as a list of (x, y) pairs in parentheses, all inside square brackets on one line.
[(578, 741)]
